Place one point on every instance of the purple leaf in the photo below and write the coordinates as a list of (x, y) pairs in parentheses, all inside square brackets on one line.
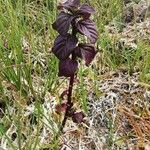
[(88, 28), (64, 45), (78, 117), (67, 67), (70, 5), (85, 51), (61, 108), (62, 23), (86, 11)]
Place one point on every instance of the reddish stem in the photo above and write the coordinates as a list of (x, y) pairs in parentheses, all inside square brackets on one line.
[(69, 102)]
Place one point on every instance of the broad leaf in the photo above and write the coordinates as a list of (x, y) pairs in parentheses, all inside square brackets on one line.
[(86, 10), (88, 28), (70, 5), (86, 52), (78, 117), (64, 45), (67, 67), (62, 23)]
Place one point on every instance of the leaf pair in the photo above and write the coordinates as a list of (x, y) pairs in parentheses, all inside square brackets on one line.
[(69, 5), (64, 46), (79, 18), (74, 7), (77, 117), (68, 67)]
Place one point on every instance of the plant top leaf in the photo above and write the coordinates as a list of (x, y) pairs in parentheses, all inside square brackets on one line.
[(70, 5)]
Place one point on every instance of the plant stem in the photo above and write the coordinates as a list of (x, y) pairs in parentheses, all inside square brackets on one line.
[(69, 102)]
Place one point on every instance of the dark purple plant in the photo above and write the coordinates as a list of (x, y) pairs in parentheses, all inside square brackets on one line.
[(73, 19)]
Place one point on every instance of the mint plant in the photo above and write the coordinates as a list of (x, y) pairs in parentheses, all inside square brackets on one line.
[(73, 21)]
